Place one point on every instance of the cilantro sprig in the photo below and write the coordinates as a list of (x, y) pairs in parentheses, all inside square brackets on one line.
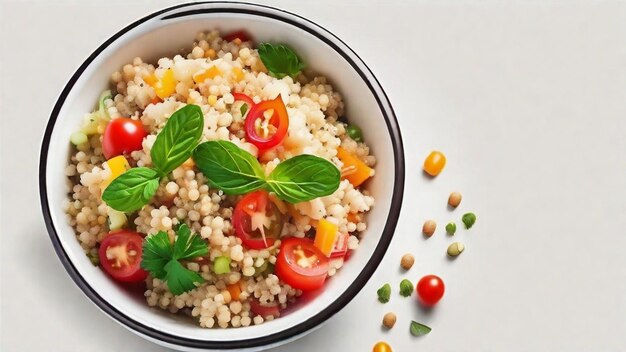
[(162, 258)]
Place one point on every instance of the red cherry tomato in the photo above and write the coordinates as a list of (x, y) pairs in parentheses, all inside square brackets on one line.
[(122, 136), (263, 133), (430, 289), (120, 256), (300, 264), (241, 35), (257, 220), (264, 310)]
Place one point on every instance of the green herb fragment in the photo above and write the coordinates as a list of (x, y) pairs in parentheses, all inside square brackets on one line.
[(94, 258), (221, 265), (265, 269), (280, 60), (469, 219), (178, 138), (235, 171), (418, 329), (228, 167), (131, 190), (106, 95), (354, 132), (406, 288), (451, 228), (162, 258), (304, 177), (243, 109), (384, 293)]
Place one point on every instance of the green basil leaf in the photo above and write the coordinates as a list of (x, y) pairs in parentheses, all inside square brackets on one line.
[(280, 60), (228, 167), (131, 190), (157, 251), (418, 329), (180, 279), (176, 141), (304, 177), (188, 245)]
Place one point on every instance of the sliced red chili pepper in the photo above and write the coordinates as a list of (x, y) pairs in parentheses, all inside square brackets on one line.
[(267, 134), (244, 98)]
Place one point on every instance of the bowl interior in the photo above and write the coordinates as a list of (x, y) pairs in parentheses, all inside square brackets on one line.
[(157, 37)]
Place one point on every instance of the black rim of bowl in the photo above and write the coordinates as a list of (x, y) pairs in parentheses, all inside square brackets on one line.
[(393, 129)]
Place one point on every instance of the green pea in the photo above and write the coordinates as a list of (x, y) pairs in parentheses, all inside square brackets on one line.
[(354, 132)]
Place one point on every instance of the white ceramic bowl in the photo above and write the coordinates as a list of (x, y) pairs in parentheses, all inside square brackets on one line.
[(164, 33)]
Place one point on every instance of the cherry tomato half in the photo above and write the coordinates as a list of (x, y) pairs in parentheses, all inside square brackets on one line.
[(120, 256), (300, 264), (240, 34), (122, 136), (267, 133), (430, 289), (264, 310), (257, 220)]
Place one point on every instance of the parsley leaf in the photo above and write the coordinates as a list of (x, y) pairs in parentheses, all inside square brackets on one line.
[(161, 258), (280, 60), (180, 279)]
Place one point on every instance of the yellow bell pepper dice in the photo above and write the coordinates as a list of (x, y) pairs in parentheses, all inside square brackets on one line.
[(209, 73), (325, 236), (118, 166), (354, 170)]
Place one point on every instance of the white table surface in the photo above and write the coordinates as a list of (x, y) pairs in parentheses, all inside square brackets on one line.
[(528, 101)]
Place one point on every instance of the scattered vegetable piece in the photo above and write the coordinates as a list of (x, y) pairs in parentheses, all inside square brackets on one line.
[(165, 86), (454, 199), (117, 219), (381, 347), (240, 34), (93, 258), (257, 221), (162, 258), (325, 236), (406, 288), (264, 310), (469, 219), (340, 249), (354, 170), (429, 227), (418, 329), (209, 73), (407, 261), (430, 289), (434, 163), (354, 132), (451, 228), (384, 293), (455, 249), (221, 265), (280, 60), (389, 320)]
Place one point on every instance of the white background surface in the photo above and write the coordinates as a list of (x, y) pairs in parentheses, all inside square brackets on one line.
[(528, 101)]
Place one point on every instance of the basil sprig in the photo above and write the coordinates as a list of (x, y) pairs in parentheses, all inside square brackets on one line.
[(280, 60), (235, 171), (177, 139), (132, 189), (173, 145), (304, 177)]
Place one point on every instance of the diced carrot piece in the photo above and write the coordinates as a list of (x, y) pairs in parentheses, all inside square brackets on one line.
[(354, 170), (325, 236), (155, 100), (354, 218), (209, 73), (234, 290), (151, 79)]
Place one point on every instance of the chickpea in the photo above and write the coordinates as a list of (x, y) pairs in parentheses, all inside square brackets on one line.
[(389, 320), (455, 199), (407, 261), (429, 227)]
